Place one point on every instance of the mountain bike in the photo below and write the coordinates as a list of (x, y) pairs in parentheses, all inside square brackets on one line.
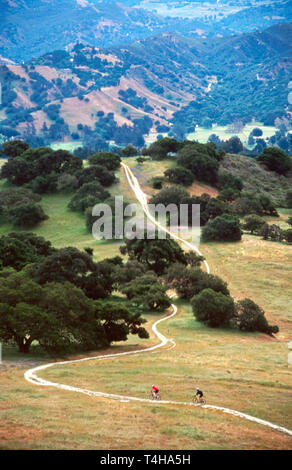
[(199, 401), (154, 396)]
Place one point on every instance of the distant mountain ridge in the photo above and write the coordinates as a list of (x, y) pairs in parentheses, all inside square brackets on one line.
[(173, 81), (30, 28), (34, 27)]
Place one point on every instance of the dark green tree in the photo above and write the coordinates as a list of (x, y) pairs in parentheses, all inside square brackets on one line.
[(22, 248), (66, 264), (118, 321), (202, 165), (275, 159), (147, 292), (18, 171), (96, 173), (213, 308), (127, 272), (109, 160), (253, 223), (156, 254), (44, 184), (87, 196), (14, 148), (130, 151), (161, 148), (190, 281), (222, 229), (179, 175)]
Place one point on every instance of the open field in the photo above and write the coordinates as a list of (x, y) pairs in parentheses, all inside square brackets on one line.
[(66, 228), (189, 9), (202, 134), (70, 146), (246, 372)]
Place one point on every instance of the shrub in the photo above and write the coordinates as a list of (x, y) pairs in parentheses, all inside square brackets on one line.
[(179, 175), (67, 183), (157, 182), (11, 197), (190, 281), (228, 194), (222, 229), (249, 203), (226, 179), (44, 184), (95, 173), (87, 196), (250, 317), (287, 235), (272, 232), (27, 215), (288, 199), (276, 160)]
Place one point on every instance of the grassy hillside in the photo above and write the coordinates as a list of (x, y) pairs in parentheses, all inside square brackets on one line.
[(67, 228), (256, 178), (243, 371)]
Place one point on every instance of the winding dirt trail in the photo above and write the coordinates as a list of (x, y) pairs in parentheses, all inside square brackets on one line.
[(32, 377)]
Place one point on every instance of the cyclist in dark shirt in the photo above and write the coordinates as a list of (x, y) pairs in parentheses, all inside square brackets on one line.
[(199, 393)]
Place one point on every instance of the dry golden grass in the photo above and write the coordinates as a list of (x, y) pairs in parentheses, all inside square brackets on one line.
[(48, 418), (198, 188), (233, 369), (246, 372)]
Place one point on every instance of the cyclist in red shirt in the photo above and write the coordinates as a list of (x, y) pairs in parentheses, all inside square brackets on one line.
[(154, 390)]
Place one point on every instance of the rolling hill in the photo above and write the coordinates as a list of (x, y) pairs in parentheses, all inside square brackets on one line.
[(149, 85), (34, 27)]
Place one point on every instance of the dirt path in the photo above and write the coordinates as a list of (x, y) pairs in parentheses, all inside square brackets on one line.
[(32, 377)]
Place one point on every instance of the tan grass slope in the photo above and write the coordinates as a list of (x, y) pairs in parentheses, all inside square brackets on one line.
[(31, 375)]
